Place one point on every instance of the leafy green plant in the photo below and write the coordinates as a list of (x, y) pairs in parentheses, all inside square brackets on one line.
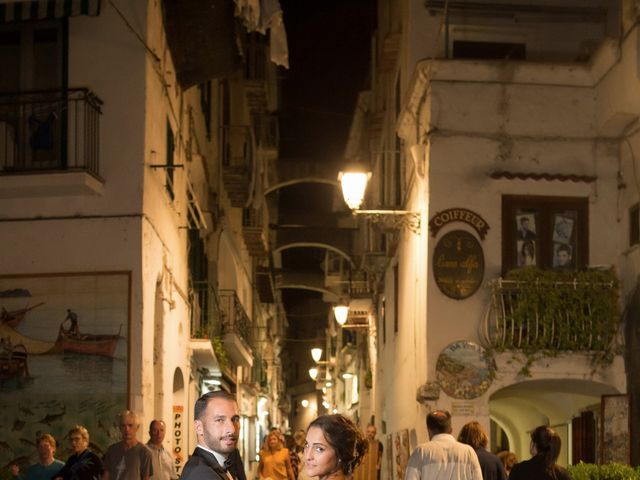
[(221, 353), (544, 313), (610, 471)]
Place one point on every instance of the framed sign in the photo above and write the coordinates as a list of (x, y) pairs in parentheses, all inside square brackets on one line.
[(458, 264), (465, 370)]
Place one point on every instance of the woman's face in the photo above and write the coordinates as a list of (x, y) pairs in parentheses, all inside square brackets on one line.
[(320, 457), (274, 441), (78, 443)]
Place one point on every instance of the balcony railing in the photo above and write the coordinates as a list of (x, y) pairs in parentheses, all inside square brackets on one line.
[(560, 316), (234, 318), (49, 130), (206, 316)]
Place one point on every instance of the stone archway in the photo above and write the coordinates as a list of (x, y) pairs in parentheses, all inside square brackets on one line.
[(519, 408)]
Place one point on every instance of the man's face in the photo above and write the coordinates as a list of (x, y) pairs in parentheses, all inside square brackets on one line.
[(45, 451), (371, 432), (219, 427), (563, 258), (156, 432), (525, 223), (128, 428)]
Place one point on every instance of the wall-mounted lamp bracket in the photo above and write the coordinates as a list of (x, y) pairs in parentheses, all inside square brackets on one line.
[(166, 166), (393, 219)]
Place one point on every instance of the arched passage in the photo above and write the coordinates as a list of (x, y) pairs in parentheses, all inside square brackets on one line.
[(519, 408)]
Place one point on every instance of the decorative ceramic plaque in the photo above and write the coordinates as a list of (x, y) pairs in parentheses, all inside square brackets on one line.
[(464, 370)]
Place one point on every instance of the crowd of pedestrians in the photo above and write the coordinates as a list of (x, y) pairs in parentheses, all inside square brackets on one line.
[(127, 459), (331, 448)]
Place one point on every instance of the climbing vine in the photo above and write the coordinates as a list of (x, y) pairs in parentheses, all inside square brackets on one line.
[(543, 313)]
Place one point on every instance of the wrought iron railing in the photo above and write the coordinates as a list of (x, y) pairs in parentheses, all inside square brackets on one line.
[(50, 130), (234, 317), (206, 316), (237, 145), (560, 316)]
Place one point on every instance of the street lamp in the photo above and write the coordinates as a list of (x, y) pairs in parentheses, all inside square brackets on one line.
[(316, 354), (341, 312), (353, 180)]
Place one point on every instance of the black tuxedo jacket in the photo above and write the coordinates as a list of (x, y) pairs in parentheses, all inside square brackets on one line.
[(203, 466)]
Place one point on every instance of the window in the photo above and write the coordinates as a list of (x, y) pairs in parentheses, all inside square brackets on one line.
[(170, 163), (548, 232), (634, 225), (396, 299), (489, 50), (205, 105), (32, 56)]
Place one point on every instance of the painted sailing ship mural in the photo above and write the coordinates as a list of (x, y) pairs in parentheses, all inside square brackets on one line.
[(63, 359)]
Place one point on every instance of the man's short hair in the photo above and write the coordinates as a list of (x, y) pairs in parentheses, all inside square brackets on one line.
[(127, 413), (45, 437), (564, 248), (80, 430), (156, 420), (203, 401), (439, 421)]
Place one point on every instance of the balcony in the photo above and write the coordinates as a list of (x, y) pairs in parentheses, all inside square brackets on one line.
[(554, 312), (236, 329), (205, 326), (267, 132), (237, 158), (253, 232), (50, 132)]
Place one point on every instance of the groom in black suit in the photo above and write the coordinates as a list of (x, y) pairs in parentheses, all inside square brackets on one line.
[(217, 425)]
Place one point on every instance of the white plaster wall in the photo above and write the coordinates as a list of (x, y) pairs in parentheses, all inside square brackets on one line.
[(105, 57)]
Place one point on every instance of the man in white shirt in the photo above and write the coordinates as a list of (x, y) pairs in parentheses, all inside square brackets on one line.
[(160, 458), (443, 457)]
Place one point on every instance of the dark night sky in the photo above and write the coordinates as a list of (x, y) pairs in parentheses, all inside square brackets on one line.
[(329, 54)]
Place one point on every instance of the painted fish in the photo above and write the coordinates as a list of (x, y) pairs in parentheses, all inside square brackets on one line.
[(49, 418), (18, 425), (5, 446), (26, 411)]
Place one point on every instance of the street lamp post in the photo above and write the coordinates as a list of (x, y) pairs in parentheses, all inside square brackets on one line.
[(353, 181)]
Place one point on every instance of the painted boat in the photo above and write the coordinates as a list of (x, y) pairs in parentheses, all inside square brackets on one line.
[(87, 343), (13, 317), (34, 347), (13, 363)]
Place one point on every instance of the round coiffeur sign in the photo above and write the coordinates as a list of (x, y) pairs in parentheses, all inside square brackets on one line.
[(458, 264)]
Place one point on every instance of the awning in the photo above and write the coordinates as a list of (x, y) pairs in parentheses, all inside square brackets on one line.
[(26, 10), (203, 39)]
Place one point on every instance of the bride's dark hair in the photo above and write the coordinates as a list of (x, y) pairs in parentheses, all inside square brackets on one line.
[(345, 438)]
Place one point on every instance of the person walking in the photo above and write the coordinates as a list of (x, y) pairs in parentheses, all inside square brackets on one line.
[(473, 434), (83, 464), (545, 448), (127, 459), (334, 448), (275, 462), (508, 460), (442, 457), (369, 469), (161, 459), (217, 426)]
